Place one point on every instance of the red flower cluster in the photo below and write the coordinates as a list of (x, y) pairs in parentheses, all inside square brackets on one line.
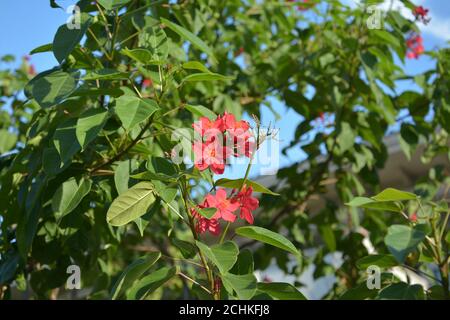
[(221, 139), (415, 46), (147, 83), (239, 51), (226, 207), (421, 14), (300, 7)]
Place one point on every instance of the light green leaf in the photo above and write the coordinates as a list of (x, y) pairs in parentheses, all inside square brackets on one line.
[(267, 236), (140, 55), (189, 36), (208, 213), (195, 65), (369, 203), (243, 285), (111, 4), (281, 291), (133, 272), (236, 184), (223, 256), (201, 111), (206, 77), (148, 175), (7, 140), (132, 204), (122, 176), (133, 110), (155, 39), (69, 195), (391, 194), (150, 283), (106, 74), (44, 48), (67, 39), (89, 125), (402, 240)]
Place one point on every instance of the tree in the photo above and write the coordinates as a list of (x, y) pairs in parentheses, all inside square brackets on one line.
[(89, 176)]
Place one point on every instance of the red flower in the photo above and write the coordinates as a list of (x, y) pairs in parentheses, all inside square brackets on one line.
[(225, 207), (247, 203), (421, 14), (300, 7), (413, 217), (208, 128), (203, 224), (238, 52), (31, 70), (209, 150), (415, 46), (147, 83), (239, 135), (211, 154)]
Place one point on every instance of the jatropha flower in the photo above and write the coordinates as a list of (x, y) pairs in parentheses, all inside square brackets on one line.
[(421, 14), (300, 7), (247, 203), (415, 46), (226, 207), (219, 139), (147, 83)]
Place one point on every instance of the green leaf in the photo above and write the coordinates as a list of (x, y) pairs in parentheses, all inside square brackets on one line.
[(281, 291), (51, 87), (89, 125), (148, 175), (8, 267), (369, 203), (380, 260), (187, 249), (111, 4), (208, 213), (122, 176), (267, 236), (67, 39), (236, 184), (150, 283), (132, 204), (65, 140), (133, 110), (133, 272), (44, 48), (223, 256), (106, 74), (155, 39), (391, 194), (243, 285), (69, 195), (140, 55), (195, 65), (201, 111), (206, 77), (402, 291), (189, 36), (244, 263), (402, 240), (7, 140)]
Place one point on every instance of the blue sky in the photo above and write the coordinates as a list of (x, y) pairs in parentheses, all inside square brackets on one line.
[(25, 25)]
